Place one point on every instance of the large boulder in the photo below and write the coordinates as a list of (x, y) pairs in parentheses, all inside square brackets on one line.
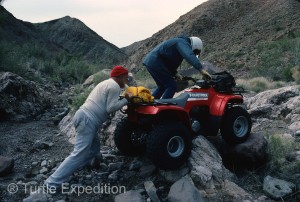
[(207, 169), (6, 165), (277, 188), (108, 129), (105, 133), (66, 126), (21, 99), (271, 104), (130, 196), (278, 108), (250, 154), (184, 190)]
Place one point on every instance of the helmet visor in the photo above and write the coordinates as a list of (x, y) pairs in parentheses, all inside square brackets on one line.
[(197, 52)]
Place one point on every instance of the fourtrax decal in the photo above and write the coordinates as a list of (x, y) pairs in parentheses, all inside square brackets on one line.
[(198, 96)]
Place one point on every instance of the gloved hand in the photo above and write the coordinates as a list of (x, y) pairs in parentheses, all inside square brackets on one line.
[(178, 76), (206, 75)]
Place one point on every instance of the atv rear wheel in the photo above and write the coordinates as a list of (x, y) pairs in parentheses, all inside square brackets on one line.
[(169, 145), (236, 125), (123, 138)]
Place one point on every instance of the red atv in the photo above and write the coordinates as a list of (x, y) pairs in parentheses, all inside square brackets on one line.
[(164, 129)]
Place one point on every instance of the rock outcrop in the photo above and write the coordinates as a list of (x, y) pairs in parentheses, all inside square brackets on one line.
[(6, 165), (21, 100), (282, 103)]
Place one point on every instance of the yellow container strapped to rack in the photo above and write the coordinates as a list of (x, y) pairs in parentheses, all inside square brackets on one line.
[(142, 94)]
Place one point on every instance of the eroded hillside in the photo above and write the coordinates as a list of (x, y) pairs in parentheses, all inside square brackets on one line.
[(233, 32)]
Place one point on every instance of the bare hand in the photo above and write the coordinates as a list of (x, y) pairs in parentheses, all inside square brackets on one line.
[(128, 96)]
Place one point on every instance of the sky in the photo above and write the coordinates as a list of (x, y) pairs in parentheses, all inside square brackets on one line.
[(120, 22)]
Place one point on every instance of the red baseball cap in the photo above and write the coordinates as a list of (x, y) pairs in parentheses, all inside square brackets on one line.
[(117, 71)]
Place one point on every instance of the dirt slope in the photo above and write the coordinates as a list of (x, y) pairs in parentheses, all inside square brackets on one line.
[(230, 30)]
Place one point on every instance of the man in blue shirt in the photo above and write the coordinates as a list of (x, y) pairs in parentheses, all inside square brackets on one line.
[(163, 61)]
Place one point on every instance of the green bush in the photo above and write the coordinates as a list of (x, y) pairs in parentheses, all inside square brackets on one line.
[(58, 66), (79, 99), (279, 148), (99, 76), (9, 58), (296, 74), (277, 58)]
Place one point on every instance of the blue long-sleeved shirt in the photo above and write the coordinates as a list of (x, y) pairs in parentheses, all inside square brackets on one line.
[(171, 53)]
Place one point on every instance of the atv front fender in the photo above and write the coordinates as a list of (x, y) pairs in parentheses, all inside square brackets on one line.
[(220, 102)]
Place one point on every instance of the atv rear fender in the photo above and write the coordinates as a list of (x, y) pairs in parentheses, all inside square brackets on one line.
[(165, 112), (220, 103)]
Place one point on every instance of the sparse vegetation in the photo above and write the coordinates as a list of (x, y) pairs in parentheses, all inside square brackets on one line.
[(30, 50), (278, 58), (99, 76), (79, 99), (268, 50), (296, 74), (57, 66), (280, 154), (143, 78), (83, 93), (280, 148), (252, 181), (259, 84)]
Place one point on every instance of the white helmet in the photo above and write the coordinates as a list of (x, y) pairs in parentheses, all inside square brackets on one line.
[(196, 43)]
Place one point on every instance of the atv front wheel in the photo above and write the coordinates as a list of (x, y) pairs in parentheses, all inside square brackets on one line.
[(169, 145), (123, 137), (236, 125)]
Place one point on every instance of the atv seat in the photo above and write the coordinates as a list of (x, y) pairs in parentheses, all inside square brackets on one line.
[(179, 101)]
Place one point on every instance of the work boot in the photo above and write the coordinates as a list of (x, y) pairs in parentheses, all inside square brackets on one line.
[(95, 162)]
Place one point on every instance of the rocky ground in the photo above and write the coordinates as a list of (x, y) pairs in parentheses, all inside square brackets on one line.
[(29, 144), (39, 144), (38, 147)]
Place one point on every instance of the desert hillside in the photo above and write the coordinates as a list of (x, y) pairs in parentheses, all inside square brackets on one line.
[(235, 35), (48, 69), (64, 50)]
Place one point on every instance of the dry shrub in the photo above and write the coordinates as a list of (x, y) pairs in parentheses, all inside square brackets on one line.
[(258, 84), (296, 74), (280, 147), (147, 82)]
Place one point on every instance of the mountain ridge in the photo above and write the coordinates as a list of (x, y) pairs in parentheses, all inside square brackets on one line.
[(64, 34), (77, 38), (230, 31), (233, 32)]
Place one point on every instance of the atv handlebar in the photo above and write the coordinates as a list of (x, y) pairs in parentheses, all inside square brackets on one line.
[(188, 78), (222, 82)]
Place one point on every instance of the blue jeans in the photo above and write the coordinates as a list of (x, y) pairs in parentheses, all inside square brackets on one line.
[(166, 84), (87, 145)]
